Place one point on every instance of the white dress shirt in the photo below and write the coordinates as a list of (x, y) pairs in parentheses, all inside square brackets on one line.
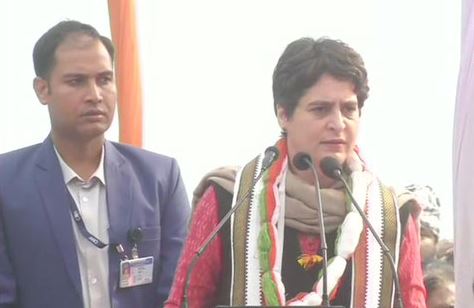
[(90, 198)]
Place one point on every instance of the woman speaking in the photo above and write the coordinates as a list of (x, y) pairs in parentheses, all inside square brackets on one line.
[(269, 252)]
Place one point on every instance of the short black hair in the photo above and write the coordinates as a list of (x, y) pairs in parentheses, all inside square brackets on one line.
[(303, 63), (438, 273), (45, 47)]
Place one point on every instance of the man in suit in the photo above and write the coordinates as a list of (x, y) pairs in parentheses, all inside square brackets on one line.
[(78, 211)]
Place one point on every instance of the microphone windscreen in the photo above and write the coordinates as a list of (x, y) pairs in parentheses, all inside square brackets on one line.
[(330, 167), (271, 154), (302, 161)]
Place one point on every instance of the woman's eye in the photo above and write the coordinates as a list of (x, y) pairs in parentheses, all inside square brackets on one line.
[(351, 111), (320, 109)]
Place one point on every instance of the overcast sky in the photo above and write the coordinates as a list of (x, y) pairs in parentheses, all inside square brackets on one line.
[(207, 69)]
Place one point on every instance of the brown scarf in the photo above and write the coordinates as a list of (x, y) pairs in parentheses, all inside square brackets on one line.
[(301, 202)]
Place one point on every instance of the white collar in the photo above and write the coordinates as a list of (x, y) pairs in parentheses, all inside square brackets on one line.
[(69, 174)]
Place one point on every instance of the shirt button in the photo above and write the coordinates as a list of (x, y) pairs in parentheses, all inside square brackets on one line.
[(94, 280), (85, 199)]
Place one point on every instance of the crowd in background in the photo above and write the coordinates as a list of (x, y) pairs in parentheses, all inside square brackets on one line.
[(436, 253)]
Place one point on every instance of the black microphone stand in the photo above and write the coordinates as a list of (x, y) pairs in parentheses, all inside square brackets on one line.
[(338, 174), (271, 154), (307, 162), (324, 246)]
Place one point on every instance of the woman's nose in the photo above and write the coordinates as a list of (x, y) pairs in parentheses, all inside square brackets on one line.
[(336, 121)]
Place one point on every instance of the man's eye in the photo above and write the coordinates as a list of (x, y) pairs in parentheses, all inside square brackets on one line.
[(105, 80), (74, 82)]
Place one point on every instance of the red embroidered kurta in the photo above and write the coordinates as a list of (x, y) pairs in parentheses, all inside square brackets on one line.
[(206, 276)]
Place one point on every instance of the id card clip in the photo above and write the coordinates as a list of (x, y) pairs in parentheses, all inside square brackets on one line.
[(135, 236)]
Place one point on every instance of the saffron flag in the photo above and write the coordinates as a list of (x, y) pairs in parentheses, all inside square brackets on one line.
[(127, 70)]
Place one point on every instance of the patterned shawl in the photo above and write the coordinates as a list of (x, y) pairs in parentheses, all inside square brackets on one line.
[(256, 240)]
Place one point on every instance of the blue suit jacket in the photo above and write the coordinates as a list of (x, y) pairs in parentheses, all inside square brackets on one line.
[(38, 261)]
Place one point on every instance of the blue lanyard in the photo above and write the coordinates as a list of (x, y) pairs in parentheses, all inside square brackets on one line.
[(80, 224)]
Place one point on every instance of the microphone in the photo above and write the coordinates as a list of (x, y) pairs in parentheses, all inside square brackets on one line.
[(271, 155), (303, 161), (333, 169)]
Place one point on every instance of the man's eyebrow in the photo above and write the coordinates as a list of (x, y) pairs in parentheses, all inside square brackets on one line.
[(108, 72), (73, 75), (81, 75)]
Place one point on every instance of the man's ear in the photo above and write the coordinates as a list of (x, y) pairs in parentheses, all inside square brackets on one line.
[(282, 117), (41, 87)]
